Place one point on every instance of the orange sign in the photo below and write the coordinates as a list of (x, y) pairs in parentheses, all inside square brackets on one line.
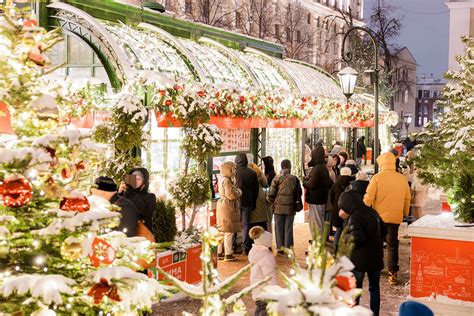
[(5, 120), (442, 267)]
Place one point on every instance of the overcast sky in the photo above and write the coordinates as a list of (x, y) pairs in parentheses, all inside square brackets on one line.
[(425, 32)]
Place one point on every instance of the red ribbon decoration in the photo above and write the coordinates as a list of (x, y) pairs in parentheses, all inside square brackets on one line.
[(103, 288)]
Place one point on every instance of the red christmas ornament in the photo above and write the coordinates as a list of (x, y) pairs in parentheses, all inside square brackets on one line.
[(345, 283), (80, 166), (15, 192), (76, 203), (65, 173), (102, 252), (242, 99), (201, 93), (168, 102), (103, 288)]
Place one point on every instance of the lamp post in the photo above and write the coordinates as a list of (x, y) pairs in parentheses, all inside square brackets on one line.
[(407, 119), (346, 77)]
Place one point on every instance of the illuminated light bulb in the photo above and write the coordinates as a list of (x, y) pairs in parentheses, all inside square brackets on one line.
[(35, 243), (68, 306), (70, 299), (292, 272), (39, 260), (7, 273), (124, 230), (17, 268), (134, 258), (45, 269), (42, 193)]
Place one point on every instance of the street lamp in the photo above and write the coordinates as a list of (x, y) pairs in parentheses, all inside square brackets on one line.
[(347, 57), (347, 79), (407, 119)]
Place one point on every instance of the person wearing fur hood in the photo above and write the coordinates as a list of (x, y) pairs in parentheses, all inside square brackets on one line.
[(228, 208), (263, 264)]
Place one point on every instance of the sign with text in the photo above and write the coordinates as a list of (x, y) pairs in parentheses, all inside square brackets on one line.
[(235, 139)]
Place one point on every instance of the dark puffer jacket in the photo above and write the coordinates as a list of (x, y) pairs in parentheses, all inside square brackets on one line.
[(368, 231), (340, 186), (246, 180), (284, 192), (130, 215), (144, 201), (318, 184), (360, 186)]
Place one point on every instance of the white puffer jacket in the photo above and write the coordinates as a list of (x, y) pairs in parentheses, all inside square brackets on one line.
[(263, 265)]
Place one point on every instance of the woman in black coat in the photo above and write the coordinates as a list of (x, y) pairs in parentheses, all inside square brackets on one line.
[(342, 182), (144, 201), (367, 230), (269, 169)]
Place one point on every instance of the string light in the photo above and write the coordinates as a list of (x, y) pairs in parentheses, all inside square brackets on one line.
[(39, 261)]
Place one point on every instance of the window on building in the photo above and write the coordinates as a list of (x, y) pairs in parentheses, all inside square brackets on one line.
[(238, 20), (298, 36), (405, 96), (206, 10), (309, 18), (288, 35), (435, 94), (426, 93), (188, 6), (318, 21), (420, 94), (418, 117), (277, 31), (327, 26)]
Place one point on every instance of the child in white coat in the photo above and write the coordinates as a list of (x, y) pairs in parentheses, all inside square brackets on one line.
[(263, 264)]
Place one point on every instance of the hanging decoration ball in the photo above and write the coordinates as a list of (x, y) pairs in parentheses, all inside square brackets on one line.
[(345, 282), (75, 201), (71, 248), (15, 191)]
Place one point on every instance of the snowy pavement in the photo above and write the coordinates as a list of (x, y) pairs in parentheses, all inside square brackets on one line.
[(391, 296)]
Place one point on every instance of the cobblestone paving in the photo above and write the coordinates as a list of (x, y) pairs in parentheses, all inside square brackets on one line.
[(391, 296)]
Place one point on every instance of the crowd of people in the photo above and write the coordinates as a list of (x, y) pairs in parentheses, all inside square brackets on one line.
[(335, 191)]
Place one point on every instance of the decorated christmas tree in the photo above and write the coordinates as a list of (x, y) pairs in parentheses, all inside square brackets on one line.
[(446, 159), (58, 251)]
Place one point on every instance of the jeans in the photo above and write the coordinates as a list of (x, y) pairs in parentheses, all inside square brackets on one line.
[(392, 247), (260, 308), (374, 288), (284, 230), (245, 219), (316, 217)]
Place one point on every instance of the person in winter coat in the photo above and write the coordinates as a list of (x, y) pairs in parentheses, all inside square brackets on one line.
[(228, 209), (389, 194), (360, 183), (269, 169), (106, 188), (139, 195), (360, 150), (330, 165), (351, 164), (247, 181), (263, 264), (341, 184), (262, 214), (367, 230), (285, 193), (317, 189), (343, 156), (337, 162)]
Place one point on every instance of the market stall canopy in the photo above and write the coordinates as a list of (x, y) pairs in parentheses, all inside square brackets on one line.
[(203, 61)]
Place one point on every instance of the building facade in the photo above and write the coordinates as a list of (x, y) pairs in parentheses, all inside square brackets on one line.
[(309, 30), (429, 90), (461, 23), (405, 95)]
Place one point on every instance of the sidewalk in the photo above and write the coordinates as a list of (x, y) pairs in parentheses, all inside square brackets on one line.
[(391, 296)]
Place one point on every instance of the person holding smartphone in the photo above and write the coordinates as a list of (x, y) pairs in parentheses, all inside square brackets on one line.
[(135, 187)]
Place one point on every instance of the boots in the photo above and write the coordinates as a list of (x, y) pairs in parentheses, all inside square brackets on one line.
[(392, 278)]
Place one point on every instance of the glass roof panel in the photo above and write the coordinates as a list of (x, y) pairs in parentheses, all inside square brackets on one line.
[(312, 82), (217, 67), (267, 74), (147, 51)]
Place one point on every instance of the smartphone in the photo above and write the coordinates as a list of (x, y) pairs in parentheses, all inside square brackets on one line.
[(131, 180)]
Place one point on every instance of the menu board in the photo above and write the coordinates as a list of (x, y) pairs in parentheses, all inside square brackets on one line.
[(235, 139)]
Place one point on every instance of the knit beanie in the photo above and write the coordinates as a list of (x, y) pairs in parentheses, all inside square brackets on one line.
[(362, 176), (346, 171), (105, 184)]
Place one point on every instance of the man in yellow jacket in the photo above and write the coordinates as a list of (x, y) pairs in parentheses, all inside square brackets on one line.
[(389, 194)]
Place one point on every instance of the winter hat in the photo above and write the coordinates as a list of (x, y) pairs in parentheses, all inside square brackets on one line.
[(105, 184), (351, 162), (395, 152), (260, 236), (412, 308), (346, 171), (362, 176)]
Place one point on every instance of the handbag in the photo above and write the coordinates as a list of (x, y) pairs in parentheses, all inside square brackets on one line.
[(143, 231)]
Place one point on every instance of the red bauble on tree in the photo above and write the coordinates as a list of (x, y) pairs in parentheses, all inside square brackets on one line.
[(75, 201), (15, 191)]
